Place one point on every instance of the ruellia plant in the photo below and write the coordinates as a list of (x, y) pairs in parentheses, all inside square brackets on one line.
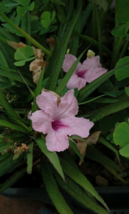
[(64, 70)]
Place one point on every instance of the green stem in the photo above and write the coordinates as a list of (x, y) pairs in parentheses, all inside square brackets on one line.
[(28, 27), (23, 33), (94, 24), (105, 14), (94, 42), (93, 99), (116, 52), (99, 32), (124, 49)]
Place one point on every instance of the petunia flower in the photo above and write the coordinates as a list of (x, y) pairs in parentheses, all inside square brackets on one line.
[(56, 118), (84, 73)]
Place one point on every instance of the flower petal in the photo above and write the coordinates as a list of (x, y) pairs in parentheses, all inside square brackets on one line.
[(41, 121), (94, 73), (78, 126), (68, 62), (91, 63), (76, 82), (68, 105), (57, 141), (47, 101)]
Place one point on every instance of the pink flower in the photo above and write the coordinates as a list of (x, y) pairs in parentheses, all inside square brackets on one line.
[(88, 71), (56, 118)]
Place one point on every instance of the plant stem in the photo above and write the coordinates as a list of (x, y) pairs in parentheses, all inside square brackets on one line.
[(124, 49), (94, 24), (26, 35), (99, 32), (28, 27), (94, 42), (116, 51)]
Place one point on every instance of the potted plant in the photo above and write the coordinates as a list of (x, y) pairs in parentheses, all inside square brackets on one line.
[(58, 99)]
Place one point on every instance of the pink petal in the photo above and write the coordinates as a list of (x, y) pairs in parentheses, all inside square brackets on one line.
[(68, 105), (91, 63), (41, 121), (68, 62), (56, 141), (78, 126), (47, 101), (94, 73), (76, 82)]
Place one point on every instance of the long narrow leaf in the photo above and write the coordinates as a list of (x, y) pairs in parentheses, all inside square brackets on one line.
[(57, 57), (52, 156), (80, 179), (80, 195), (64, 81), (12, 126), (52, 189), (30, 158), (38, 89), (8, 108), (14, 76), (9, 182), (110, 109), (88, 89), (94, 154)]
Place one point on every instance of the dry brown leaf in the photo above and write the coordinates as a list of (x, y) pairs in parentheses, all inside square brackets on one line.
[(82, 146), (36, 65), (16, 45), (36, 77), (38, 53), (51, 41), (101, 181)]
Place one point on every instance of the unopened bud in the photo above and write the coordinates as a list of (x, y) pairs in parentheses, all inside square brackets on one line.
[(90, 53)]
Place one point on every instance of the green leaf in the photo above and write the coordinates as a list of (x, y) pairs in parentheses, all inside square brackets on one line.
[(80, 195), (52, 189), (45, 23), (107, 110), (52, 156), (119, 31), (122, 72), (38, 89), (76, 137), (22, 62), (30, 158), (127, 90), (80, 179), (46, 16), (122, 15), (3, 61), (101, 3), (108, 145), (12, 180), (58, 54), (75, 149), (23, 53), (64, 81), (121, 134), (8, 108), (8, 163), (13, 75), (58, 2), (25, 3), (21, 11), (95, 155), (125, 151), (31, 6), (12, 126)]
